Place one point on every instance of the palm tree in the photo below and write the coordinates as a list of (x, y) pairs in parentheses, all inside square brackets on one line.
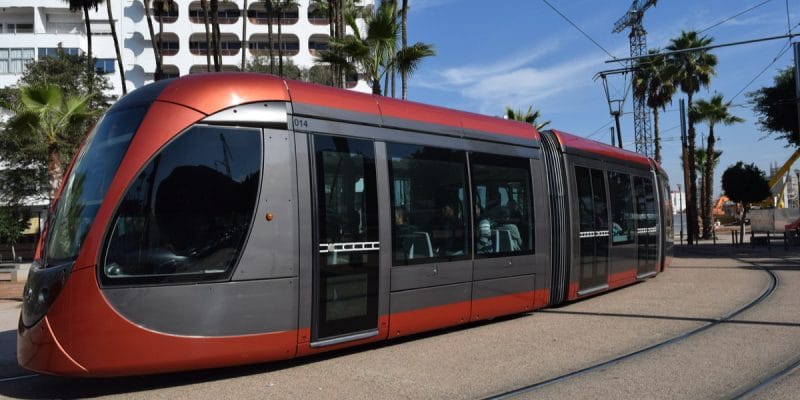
[(156, 43), (404, 45), (701, 158), (215, 35), (116, 47), (45, 113), (693, 70), (204, 7), (269, 5), (653, 82), (75, 5), (244, 35), (160, 7), (374, 53), (280, 7), (712, 112), (530, 116)]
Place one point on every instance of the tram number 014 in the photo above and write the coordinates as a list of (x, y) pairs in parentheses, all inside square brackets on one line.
[(300, 123)]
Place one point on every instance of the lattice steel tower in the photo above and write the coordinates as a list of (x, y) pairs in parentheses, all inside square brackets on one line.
[(641, 115)]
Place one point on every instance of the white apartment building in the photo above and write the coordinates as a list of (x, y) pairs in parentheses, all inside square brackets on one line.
[(30, 30)]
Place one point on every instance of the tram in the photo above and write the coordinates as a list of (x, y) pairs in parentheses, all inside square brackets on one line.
[(233, 218)]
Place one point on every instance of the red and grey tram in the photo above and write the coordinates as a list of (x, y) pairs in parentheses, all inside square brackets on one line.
[(234, 218)]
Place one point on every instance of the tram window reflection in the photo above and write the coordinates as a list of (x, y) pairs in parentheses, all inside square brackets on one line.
[(430, 218), (503, 205)]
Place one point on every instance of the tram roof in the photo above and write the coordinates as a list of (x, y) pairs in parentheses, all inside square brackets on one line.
[(210, 93), (572, 143)]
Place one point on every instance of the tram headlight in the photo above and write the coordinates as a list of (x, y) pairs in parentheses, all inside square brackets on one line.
[(41, 290)]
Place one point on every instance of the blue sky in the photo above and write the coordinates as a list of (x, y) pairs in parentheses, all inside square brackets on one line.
[(520, 53)]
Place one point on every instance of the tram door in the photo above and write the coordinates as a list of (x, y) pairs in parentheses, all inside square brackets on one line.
[(593, 215), (647, 227), (346, 269)]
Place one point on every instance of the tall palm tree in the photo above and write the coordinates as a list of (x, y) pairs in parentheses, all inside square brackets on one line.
[(694, 70), (270, 6), (75, 5), (701, 158), (712, 112), (113, 27), (373, 50), (155, 43), (215, 35), (653, 81), (204, 7), (530, 117), (45, 113), (244, 35), (404, 45), (281, 6), (160, 7)]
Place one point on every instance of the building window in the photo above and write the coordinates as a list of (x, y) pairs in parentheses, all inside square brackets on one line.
[(15, 61), (170, 71), (104, 65), (259, 44), (170, 227), (257, 14), (227, 13), (19, 28), (431, 216), (317, 44), (318, 16), (503, 210), (53, 51), (168, 16)]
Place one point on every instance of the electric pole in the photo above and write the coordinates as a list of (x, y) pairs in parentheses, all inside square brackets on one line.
[(641, 115)]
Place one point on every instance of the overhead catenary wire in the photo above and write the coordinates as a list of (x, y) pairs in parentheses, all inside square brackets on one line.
[(579, 29), (734, 16), (783, 51)]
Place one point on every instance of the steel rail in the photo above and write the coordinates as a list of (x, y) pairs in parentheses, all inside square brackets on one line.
[(768, 290)]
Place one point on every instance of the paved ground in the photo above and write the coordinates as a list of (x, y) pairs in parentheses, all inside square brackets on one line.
[(490, 358)]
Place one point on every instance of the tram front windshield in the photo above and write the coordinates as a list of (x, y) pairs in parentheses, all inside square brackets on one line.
[(88, 182)]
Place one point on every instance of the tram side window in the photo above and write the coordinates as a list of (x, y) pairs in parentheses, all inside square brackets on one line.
[(186, 215), (503, 211), (623, 226), (431, 220)]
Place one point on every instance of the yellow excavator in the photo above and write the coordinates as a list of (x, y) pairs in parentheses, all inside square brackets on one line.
[(777, 183)]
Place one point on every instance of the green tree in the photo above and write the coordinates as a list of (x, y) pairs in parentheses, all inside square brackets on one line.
[(746, 184), (530, 117), (262, 64), (13, 221), (712, 112), (653, 81), (25, 156), (693, 70), (46, 116), (776, 108)]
